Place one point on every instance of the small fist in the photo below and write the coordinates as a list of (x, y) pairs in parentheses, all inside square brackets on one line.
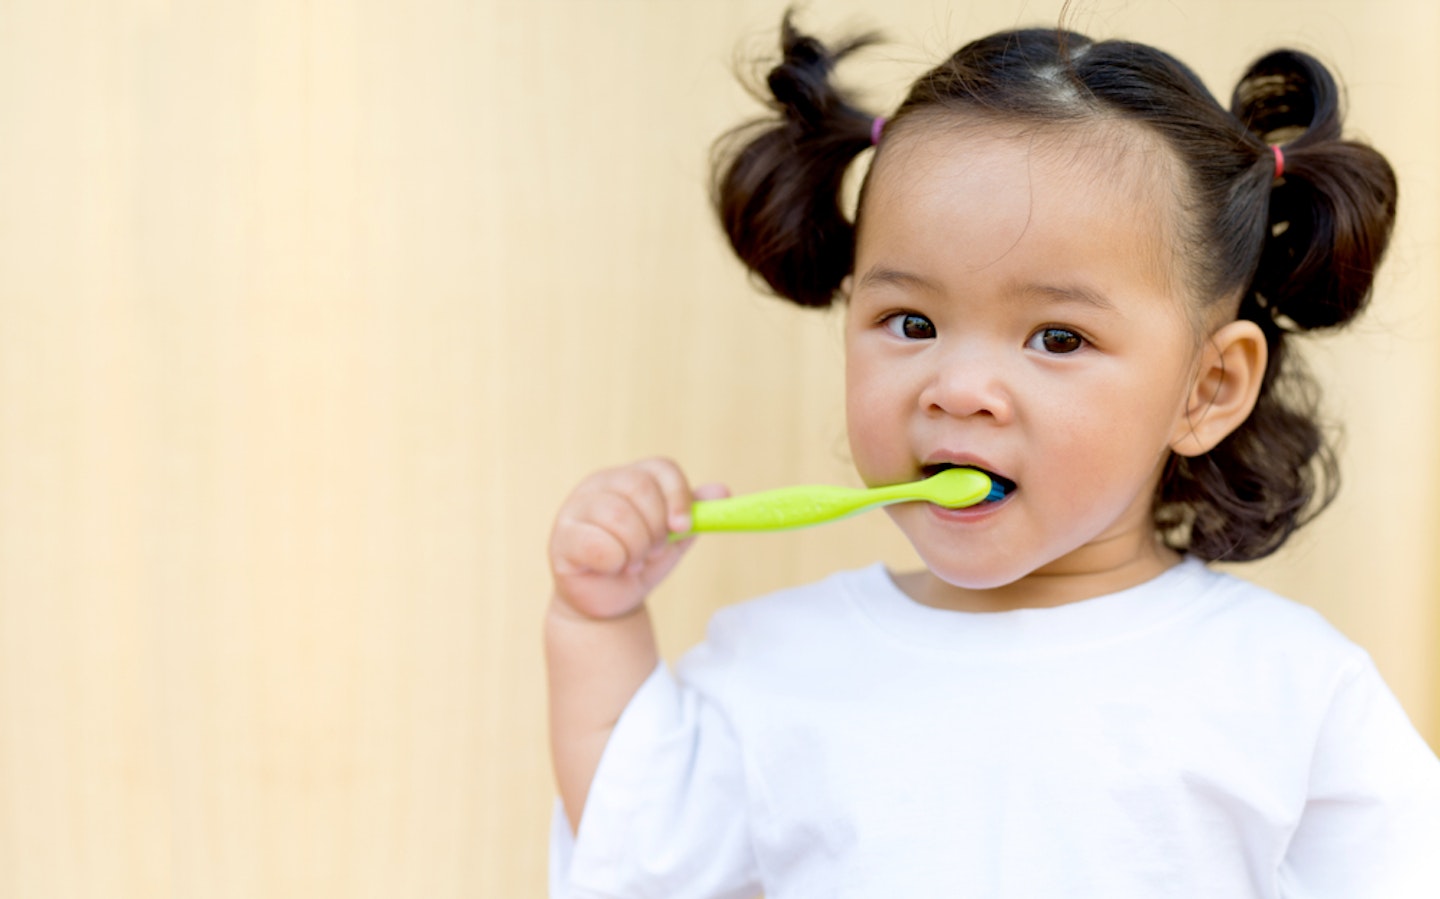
[(611, 544)]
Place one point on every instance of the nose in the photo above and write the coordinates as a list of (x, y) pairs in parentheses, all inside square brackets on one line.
[(965, 383)]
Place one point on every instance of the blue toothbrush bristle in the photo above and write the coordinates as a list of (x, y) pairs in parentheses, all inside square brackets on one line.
[(997, 491)]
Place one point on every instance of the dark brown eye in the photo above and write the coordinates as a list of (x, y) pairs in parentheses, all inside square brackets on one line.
[(1056, 341), (911, 326)]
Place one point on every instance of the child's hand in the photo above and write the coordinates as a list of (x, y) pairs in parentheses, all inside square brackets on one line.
[(611, 542)]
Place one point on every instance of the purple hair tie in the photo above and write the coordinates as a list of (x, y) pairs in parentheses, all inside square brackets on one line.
[(877, 125)]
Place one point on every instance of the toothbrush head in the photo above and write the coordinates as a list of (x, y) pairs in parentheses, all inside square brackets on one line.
[(955, 488)]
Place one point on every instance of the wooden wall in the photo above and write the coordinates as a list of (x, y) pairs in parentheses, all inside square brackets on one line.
[(310, 313)]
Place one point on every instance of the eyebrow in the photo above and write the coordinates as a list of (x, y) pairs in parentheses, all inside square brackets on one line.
[(1045, 293), (1069, 293), (878, 276)]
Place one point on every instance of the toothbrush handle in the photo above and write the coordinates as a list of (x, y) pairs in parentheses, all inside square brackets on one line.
[(775, 510)]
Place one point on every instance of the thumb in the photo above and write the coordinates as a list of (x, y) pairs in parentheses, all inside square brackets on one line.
[(712, 491), (681, 524)]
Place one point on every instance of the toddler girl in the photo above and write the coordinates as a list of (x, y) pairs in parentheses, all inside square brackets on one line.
[(1072, 269)]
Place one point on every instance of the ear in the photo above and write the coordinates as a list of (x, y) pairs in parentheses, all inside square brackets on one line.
[(1225, 387)]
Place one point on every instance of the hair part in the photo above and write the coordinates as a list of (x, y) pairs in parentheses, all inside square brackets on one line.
[(1292, 254)]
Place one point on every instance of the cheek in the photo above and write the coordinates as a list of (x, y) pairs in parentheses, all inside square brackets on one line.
[(1111, 444), (865, 422), (864, 387), (874, 419)]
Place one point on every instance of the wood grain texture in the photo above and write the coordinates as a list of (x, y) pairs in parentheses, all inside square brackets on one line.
[(310, 314)]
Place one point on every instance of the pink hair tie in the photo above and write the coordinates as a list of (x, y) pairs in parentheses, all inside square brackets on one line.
[(877, 125), (1279, 160)]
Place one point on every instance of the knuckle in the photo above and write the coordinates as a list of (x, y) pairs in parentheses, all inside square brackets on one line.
[(614, 514), (600, 555), (582, 547)]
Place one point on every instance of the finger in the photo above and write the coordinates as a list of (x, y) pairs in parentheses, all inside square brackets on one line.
[(638, 486), (583, 547), (684, 524), (677, 494), (610, 513), (712, 491), (648, 494)]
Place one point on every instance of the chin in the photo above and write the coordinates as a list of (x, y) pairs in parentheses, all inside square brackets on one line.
[(973, 574)]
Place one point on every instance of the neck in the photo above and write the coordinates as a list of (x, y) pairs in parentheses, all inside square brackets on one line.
[(1096, 570)]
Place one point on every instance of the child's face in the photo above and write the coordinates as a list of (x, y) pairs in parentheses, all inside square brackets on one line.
[(1013, 307)]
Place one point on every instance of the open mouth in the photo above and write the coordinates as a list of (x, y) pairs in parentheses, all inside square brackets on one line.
[(1000, 486)]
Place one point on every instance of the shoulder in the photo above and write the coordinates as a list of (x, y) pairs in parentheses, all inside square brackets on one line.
[(1275, 616), (788, 631), (1270, 633), (828, 604)]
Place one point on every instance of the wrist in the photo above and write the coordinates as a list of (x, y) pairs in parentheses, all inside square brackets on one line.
[(563, 610)]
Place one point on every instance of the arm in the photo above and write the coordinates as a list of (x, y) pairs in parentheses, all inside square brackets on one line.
[(594, 667), (1372, 824), (609, 548)]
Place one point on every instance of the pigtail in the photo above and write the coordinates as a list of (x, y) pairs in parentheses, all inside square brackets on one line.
[(1331, 209), (778, 180)]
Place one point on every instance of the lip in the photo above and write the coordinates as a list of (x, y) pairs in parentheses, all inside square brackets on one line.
[(962, 460), (970, 514), (943, 457)]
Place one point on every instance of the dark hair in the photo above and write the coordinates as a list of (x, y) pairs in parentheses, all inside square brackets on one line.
[(1300, 250)]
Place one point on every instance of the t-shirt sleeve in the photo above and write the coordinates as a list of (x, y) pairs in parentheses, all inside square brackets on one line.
[(1371, 826), (665, 815)]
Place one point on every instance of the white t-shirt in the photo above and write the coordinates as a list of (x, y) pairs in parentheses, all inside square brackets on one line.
[(1195, 736)]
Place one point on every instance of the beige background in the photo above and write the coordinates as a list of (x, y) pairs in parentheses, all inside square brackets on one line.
[(311, 312)]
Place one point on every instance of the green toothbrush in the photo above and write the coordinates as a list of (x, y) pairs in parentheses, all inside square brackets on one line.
[(797, 507)]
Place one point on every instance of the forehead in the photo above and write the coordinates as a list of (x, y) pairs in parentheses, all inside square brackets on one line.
[(972, 193)]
